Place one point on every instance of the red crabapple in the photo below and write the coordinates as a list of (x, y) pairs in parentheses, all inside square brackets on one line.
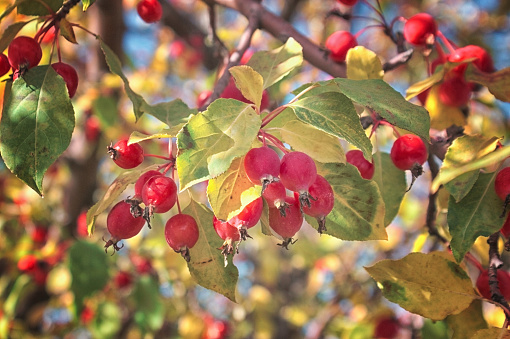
[(287, 226), (4, 65), (348, 2), (339, 43), (483, 60), (407, 151), (27, 263), (202, 97), (505, 229), (387, 328), (248, 217), (24, 53), (68, 73), (142, 180), (275, 194), (122, 225), (323, 202), (123, 279), (230, 234), (181, 234), (502, 187), (262, 165), (159, 195), (232, 92), (298, 173), (420, 29), (366, 168), (454, 91), (126, 156), (149, 10)]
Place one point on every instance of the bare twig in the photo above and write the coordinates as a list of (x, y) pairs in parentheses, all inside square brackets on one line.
[(495, 263), (398, 60), (432, 206)]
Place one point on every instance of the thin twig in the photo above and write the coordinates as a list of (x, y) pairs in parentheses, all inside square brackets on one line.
[(495, 263), (432, 206)]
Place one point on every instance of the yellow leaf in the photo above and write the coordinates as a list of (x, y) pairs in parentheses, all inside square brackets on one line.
[(442, 116), (362, 64)]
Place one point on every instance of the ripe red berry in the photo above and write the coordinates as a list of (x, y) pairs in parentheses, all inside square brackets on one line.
[(348, 2), (159, 193), (275, 194), (298, 173), (366, 168), (502, 183), (455, 91), (123, 280), (92, 128), (262, 165), (181, 233), (232, 92), (249, 216), (322, 202), (202, 97), (407, 151), (339, 43), (27, 263), (149, 10), (39, 234), (24, 53), (420, 29), (387, 328), (68, 73), (81, 225), (483, 60), (121, 224), (4, 65), (142, 180), (126, 156), (286, 226), (482, 283), (225, 230)]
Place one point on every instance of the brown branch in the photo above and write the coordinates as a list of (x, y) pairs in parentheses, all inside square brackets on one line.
[(495, 263), (398, 60), (432, 206)]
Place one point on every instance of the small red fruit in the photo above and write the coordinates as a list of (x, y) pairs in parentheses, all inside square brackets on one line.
[(407, 151), (27, 263), (92, 128), (262, 165), (275, 194), (232, 92), (4, 65), (249, 216), (122, 280), (348, 2), (81, 225), (482, 283), (159, 194), (126, 156), (502, 183), (181, 233), (455, 91), (322, 202), (286, 226), (386, 328), (121, 224), (202, 97), (24, 53), (505, 230), (420, 29), (142, 180), (298, 173), (68, 73), (149, 10), (483, 60), (366, 168), (339, 43)]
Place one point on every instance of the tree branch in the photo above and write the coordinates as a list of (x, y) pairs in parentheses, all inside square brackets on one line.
[(495, 263)]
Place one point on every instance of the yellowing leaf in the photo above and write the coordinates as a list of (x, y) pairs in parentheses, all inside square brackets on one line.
[(362, 63), (67, 31), (442, 116), (496, 333), (498, 82), (137, 137), (423, 85), (468, 321), (431, 285), (225, 192), (249, 83)]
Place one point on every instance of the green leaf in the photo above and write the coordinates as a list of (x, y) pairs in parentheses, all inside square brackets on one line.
[(319, 145), (89, 270), (461, 185), (150, 311), (335, 114), (431, 285), (197, 142), (497, 82), (107, 321), (381, 98), (478, 158), (172, 113), (475, 215), (240, 123), (10, 33), (35, 8), (358, 213), (276, 64), (468, 321), (113, 192), (264, 220), (362, 63), (36, 126), (249, 83), (87, 3), (105, 108), (207, 263), (230, 192), (392, 184)]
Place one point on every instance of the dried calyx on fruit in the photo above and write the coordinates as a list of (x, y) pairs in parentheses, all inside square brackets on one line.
[(322, 205), (159, 194), (297, 173), (230, 235), (275, 194), (126, 156), (262, 165), (287, 226), (409, 153), (181, 234)]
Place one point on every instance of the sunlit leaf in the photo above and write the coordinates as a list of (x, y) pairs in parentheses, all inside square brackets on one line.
[(321, 146), (35, 8), (249, 83), (358, 213), (431, 285), (498, 82), (137, 137), (9, 9), (113, 192), (477, 214), (36, 126), (274, 65), (362, 63), (335, 114), (87, 3), (468, 321), (443, 116), (10, 33), (423, 85), (173, 113), (392, 184), (225, 192), (207, 263)]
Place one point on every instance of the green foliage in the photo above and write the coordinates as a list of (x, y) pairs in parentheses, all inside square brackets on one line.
[(149, 313), (36, 8)]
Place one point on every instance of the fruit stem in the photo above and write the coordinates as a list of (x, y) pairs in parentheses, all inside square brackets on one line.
[(273, 114), (367, 27), (469, 257), (447, 43), (158, 156), (274, 140), (377, 11)]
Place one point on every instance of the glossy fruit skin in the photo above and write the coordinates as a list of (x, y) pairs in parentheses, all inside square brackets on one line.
[(68, 73), (289, 225), (419, 28), (149, 10), (339, 43), (24, 52), (126, 156), (483, 60), (120, 222), (455, 91), (160, 192), (181, 231), (232, 92), (202, 97), (249, 216), (322, 191), (297, 171), (366, 168), (348, 2), (225, 230), (275, 194), (502, 183), (4, 65), (407, 151), (142, 180), (482, 283), (261, 163)]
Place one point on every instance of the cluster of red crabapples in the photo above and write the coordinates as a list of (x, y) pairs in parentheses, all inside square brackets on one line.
[(421, 30), (25, 52), (158, 194)]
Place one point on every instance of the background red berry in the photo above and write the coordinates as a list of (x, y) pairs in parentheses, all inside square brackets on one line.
[(4, 65), (502, 183), (149, 10), (339, 43), (420, 29), (366, 168)]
